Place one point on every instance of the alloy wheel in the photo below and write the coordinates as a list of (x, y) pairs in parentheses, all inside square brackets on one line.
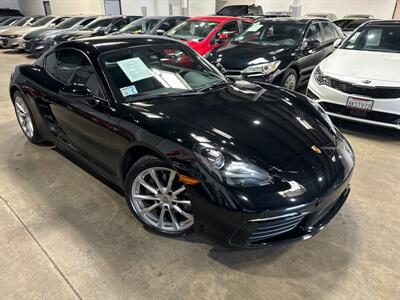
[(161, 201), (290, 82), (24, 117)]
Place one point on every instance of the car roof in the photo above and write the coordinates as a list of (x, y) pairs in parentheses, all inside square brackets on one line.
[(302, 20), (98, 45), (383, 22), (218, 19)]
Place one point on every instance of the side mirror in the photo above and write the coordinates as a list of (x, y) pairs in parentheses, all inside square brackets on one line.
[(76, 91), (337, 43), (311, 44), (222, 37), (160, 32)]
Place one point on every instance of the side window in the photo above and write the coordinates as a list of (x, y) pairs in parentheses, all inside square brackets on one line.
[(168, 24), (246, 25), (119, 24), (314, 33), (87, 21), (58, 21), (329, 32), (231, 29), (71, 66)]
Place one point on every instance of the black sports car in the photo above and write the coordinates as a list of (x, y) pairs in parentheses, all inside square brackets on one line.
[(248, 164), (282, 51)]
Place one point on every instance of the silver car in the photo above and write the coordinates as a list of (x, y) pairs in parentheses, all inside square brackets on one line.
[(12, 37)]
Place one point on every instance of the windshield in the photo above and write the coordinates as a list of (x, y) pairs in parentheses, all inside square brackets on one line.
[(22, 21), (192, 30), (69, 23), (375, 38), (342, 22), (354, 24), (233, 10), (140, 26), (152, 71), (43, 21), (99, 23), (272, 33)]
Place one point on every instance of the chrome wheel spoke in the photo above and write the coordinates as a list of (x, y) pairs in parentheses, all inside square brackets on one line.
[(183, 213), (146, 197), (186, 202), (175, 223), (170, 180), (148, 187), (150, 208), (160, 223), (153, 175), (178, 191)]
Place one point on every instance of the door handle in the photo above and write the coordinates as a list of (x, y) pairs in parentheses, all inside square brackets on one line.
[(93, 101)]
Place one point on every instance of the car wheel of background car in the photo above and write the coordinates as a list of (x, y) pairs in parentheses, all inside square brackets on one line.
[(157, 198), (25, 119), (289, 80)]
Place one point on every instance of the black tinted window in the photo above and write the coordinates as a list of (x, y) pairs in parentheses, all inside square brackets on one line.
[(70, 66), (167, 25), (119, 24)]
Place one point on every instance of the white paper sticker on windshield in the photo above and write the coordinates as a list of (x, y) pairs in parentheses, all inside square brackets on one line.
[(134, 69), (255, 27), (128, 91)]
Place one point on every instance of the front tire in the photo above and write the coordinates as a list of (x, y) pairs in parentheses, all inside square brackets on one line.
[(289, 80), (25, 118), (157, 198)]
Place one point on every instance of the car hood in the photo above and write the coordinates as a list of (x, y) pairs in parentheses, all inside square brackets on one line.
[(231, 56), (267, 124), (37, 33), (382, 69)]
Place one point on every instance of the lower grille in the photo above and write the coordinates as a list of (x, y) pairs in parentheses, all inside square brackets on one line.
[(275, 227), (371, 115), (28, 46), (372, 92), (5, 42), (312, 95)]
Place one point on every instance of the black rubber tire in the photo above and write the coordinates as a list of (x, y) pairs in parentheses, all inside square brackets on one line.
[(289, 72), (142, 164), (37, 137)]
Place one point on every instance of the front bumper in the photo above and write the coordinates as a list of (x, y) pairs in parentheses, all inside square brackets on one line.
[(293, 220), (35, 46), (255, 77), (10, 43), (384, 113)]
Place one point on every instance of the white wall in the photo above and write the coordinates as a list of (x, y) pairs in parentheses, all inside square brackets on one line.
[(9, 4), (62, 7), (201, 7), (222, 3), (154, 7)]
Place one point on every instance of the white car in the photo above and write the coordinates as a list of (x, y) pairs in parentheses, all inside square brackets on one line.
[(360, 81)]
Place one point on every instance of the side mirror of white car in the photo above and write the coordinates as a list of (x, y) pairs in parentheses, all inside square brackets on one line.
[(337, 43)]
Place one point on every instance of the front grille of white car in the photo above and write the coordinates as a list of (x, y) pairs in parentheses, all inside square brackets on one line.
[(372, 92)]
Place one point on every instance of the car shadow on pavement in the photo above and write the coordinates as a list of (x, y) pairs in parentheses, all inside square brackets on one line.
[(367, 131)]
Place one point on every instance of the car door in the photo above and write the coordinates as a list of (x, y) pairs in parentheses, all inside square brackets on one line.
[(231, 29), (312, 50), (80, 124)]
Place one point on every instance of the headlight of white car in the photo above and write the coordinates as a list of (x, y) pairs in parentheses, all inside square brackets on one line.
[(320, 77), (266, 68)]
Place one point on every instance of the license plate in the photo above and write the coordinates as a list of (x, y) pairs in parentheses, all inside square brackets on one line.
[(360, 104)]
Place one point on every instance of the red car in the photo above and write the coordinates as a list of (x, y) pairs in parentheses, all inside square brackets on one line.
[(204, 34)]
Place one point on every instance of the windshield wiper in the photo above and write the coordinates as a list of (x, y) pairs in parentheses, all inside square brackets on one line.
[(164, 95), (213, 85)]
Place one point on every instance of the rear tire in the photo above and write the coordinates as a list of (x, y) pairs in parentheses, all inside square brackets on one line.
[(25, 118), (289, 80), (157, 198)]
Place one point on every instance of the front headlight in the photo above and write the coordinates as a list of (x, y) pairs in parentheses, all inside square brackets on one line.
[(320, 78), (14, 36), (233, 170), (266, 68)]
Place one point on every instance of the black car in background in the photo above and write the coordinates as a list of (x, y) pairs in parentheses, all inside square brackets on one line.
[(281, 51), (10, 12), (240, 10), (349, 25), (101, 26), (250, 164), (155, 25)]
